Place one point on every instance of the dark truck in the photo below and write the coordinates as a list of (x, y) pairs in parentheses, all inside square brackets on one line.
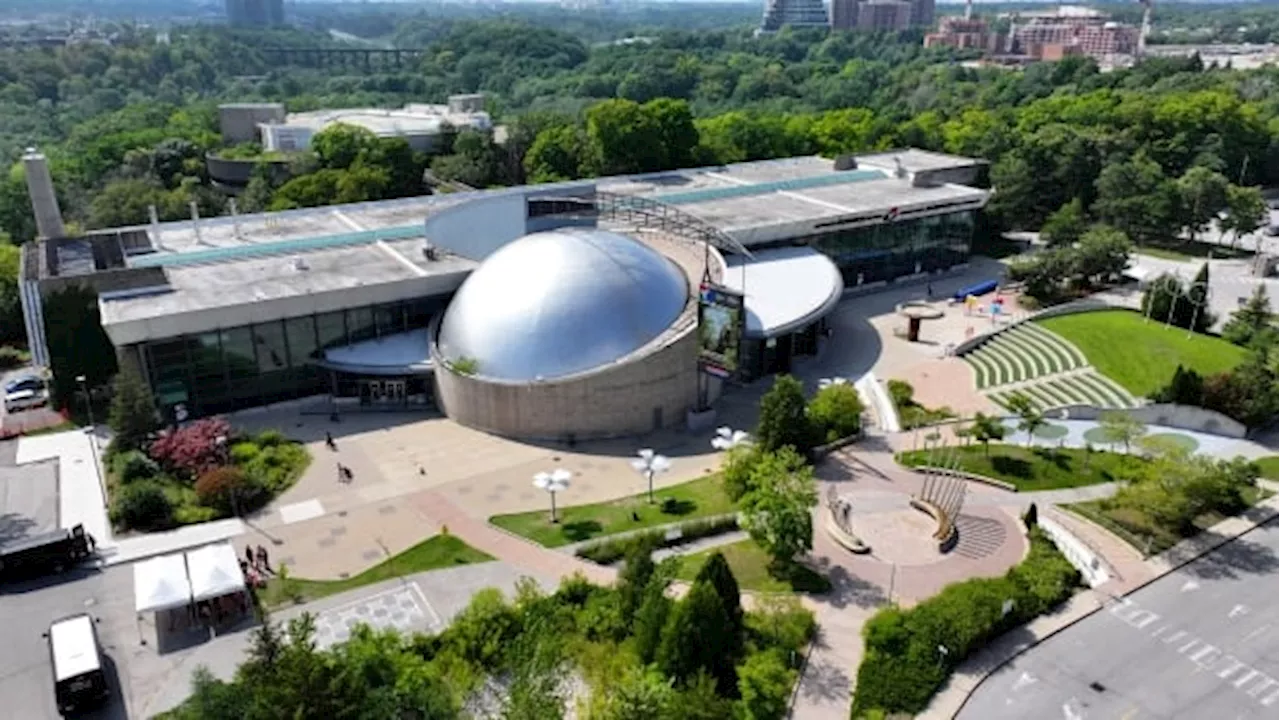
[(51, 552)]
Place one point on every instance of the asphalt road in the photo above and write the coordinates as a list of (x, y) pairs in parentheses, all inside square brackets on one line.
[(28, 496), (27, 609), (1199, 643)]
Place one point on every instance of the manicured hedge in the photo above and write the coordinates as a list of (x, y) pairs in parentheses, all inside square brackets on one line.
[(611, 550), (902, 667)]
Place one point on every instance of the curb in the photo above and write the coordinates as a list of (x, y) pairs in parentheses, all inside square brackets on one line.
[(1270, 515)]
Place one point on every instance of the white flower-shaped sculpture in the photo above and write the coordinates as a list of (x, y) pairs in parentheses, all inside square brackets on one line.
[(553, 482), (726, 438), (649, 464)]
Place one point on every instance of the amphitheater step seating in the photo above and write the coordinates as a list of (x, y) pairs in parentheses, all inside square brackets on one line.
[(1024, 353), (1040, 364)]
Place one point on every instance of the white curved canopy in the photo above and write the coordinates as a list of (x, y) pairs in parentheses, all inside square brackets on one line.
[(214, 571), (785, 289)]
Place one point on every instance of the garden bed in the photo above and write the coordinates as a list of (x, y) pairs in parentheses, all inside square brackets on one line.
[(1142, 532), (1032, 468), (699, 498), (201, 472)]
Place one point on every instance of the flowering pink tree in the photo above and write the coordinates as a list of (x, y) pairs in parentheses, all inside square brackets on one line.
[(194, 449)]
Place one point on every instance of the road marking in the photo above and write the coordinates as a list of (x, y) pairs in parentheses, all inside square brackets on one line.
[(1175, 637), (1069, 712), (1233, 665), (1190, 585), (1202, 652), (1247, 677), (1024, 680), (1238, 610)]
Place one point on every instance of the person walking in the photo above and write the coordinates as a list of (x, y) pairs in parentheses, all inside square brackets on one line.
[(263, 561), (248, 555), (328, 441)]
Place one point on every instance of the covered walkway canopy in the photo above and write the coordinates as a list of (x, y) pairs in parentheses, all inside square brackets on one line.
[(786, 289), (401, 354), (214, 571), (161, 583)]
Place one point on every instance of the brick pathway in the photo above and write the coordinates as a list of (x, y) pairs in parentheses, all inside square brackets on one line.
[(404, 608)]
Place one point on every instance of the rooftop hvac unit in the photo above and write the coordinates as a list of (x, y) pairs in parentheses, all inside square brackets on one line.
[(300, 264), (429, 252), (845, 162)]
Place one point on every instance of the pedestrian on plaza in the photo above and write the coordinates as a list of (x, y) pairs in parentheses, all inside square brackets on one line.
[(342, 473), (328, 441), (248, 555), (347, 472), (928, 290), (263, 560)]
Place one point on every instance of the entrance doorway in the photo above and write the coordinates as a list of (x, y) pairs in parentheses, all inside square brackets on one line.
[(382, 392)]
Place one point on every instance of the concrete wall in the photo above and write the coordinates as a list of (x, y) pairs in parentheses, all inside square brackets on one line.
[(1181, 417), (1076, 552), (617, 401), (239, 123), (237, 173)]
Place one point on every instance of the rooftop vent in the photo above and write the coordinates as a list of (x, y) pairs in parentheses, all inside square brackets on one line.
[(845, 162), (300, 264)]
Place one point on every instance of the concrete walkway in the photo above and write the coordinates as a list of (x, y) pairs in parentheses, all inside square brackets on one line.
[(81, 489)]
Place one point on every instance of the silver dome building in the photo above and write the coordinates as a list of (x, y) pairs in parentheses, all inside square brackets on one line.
[(558, 303), (571, 334)]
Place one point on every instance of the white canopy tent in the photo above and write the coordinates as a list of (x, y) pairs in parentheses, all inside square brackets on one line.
[(161, 583), (214, 571)]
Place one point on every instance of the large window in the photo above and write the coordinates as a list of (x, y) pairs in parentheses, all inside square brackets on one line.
[(390, 319), (332, 329), (238, 352), (273, 354), (360, 324), (301, 335), (886, 251)]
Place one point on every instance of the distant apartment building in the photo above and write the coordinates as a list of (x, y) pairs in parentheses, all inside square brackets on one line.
[(880, 15), (795, 13), (1048, 36), (255, 13)]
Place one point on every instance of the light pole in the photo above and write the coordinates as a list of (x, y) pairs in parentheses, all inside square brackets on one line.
[(88, 401), (727, 438), (649, 464), (553, 482)]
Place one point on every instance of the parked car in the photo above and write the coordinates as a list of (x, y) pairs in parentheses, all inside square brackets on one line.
[(24, 400), (75, 654), (24, 382)]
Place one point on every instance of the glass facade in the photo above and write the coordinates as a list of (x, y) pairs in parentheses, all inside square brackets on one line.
[(890, 250), (242, 367)]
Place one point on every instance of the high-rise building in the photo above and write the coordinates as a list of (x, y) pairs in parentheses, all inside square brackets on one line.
[(922, 13), (796, 13), (884, 15), (844, 14), (255, 13)]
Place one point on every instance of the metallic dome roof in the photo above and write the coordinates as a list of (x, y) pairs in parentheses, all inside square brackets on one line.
[(561, 302)]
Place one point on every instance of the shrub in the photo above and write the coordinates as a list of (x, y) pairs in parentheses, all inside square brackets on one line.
[(739, 461), (278, 466), (244, 452), (271, 438), (902, 393), (607, 551), (765, 682), (835, 412), (782, 417), (133, 465), (142, 506), (191, 450), (902, 666), (228, 489), (12, 357)]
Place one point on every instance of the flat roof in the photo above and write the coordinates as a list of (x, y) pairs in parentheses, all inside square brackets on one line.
[(75, 651), (784, 289), (418, 118)]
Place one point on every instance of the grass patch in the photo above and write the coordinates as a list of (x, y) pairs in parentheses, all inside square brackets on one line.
[(754, 570), (434, 553), (1187, 251), (1032, 468), (1139, 355), (1142, 532), (1268, 467), (697, 498)]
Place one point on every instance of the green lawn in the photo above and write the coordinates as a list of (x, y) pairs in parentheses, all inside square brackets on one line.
[(697, 498), (1034, 468), (1138, 354), (434, 553), (750, 566), (1268, 467)]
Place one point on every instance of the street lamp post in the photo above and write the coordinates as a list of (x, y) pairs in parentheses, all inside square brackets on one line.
[(88, 400), (553, 482), (727, 438), (649, 464)]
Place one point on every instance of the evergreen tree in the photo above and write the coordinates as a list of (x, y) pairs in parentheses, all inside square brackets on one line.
[(719, 575), (650, 620), (1252, 323), (633, 581), (133, 412), (783, 420), (699, 636)]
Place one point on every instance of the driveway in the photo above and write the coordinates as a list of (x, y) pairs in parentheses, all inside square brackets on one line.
[(28, 496)]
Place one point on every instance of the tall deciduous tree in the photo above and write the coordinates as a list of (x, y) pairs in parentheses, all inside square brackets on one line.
[(1065, 226), (1119, 427), (1202, 195), (783, 420), (777, 512), (986, 428), (1135, 197), (1246, 212)]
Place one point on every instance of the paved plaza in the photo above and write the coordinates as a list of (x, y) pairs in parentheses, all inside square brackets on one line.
[(403, 608)]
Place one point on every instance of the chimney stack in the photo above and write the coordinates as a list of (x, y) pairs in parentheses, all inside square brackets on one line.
[(44, 201)]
